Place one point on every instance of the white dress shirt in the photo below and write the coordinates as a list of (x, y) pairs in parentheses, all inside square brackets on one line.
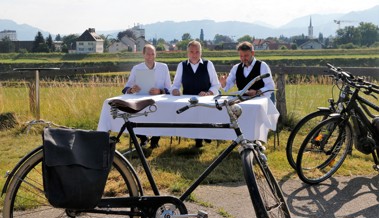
[(215, 84), (268, 81), (161, 73)]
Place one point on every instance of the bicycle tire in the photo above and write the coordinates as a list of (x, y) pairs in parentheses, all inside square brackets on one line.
[(265, 193), (324, 150), (25, 197), (300, 131)]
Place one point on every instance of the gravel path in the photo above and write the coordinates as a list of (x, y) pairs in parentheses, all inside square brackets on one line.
[(336, 197)]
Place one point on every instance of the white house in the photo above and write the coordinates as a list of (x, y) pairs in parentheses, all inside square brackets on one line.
[(311, 44), (89, 42), (127, 43), (11, 34)]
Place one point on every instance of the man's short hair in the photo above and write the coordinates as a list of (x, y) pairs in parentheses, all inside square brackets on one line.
[(245, 46), (147, 46), (194, 43)]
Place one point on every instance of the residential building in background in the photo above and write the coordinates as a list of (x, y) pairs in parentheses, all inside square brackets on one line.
[(89, 42), (11, 34)]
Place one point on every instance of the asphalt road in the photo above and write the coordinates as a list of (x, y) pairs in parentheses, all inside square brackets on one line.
[(336, 197), (345, 197)]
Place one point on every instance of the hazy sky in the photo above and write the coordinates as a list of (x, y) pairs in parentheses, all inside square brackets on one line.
[(74, 16)]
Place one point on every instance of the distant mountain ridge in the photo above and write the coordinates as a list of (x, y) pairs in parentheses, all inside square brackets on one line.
[(170, 30)]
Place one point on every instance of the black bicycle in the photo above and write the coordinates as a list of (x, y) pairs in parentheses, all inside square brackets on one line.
[(327, 145), (25, 196), (307, 123)]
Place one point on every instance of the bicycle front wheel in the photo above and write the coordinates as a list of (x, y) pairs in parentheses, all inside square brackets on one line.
[(25, 194), (324, 150), (298, 134), (265, 193)]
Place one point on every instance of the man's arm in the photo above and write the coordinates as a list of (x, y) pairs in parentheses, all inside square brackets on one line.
[(177, 83), (215, 84), (268, 81)]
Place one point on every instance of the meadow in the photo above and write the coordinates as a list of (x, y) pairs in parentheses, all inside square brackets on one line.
[(77, 103)]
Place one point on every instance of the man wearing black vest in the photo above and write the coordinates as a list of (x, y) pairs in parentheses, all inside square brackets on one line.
[(197, 76), (249, 68)]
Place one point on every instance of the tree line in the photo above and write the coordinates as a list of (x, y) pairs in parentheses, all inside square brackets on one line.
[(364, 35)]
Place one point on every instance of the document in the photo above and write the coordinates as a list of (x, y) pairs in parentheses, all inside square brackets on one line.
[(145, 79)]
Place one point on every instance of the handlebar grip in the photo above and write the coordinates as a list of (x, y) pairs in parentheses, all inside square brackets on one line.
[(181, 110), (265, 75)]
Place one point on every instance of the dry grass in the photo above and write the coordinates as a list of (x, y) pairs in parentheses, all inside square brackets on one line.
[(78, 104)]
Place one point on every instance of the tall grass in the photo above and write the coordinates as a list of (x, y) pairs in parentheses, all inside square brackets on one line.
[(175, 165)]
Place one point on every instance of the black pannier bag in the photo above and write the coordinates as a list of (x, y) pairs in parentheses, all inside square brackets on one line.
[(75, 166)]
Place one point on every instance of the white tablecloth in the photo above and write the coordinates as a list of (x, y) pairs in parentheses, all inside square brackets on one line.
[(258, 116)]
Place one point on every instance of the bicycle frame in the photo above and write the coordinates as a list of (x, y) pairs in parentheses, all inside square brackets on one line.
[(357, 108), (239, 140)]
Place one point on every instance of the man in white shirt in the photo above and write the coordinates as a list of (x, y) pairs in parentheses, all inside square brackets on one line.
[(161, 86), (197, 76)]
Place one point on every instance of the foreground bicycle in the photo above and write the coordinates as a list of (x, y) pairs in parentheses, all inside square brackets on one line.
[(307, 123), (25, 195), (327, 145)]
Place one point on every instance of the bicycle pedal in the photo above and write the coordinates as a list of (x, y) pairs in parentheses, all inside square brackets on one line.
[(202, 214)]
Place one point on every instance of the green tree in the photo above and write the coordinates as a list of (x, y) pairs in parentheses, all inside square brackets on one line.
[(68, 42), (160, 47), (186, 36), (201, 35), (182, 45), (50, 44), (39, 43), (6, 45), (349, 34), (321, 37), (369, 33), (58, 37), (129, 33), (247, 38), (219, 39)]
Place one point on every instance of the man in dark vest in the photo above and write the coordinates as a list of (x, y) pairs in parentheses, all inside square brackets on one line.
[(197, 76), (249, 68)]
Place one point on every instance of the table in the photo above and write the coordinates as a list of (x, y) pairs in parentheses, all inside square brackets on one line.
[(258, 117)]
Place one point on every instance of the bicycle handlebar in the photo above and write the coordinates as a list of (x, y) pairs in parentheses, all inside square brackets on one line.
[(355, 82), (236, 99)]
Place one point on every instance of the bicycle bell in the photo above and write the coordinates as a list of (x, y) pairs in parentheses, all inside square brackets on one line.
[(236, 110), (193, 100)]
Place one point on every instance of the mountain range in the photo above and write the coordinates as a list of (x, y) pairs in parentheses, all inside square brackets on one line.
[(169, 30)]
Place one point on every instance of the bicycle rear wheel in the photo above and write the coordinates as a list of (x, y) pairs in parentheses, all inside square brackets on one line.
[(265, 193), (298, 134), (324, 150), (25, 195)]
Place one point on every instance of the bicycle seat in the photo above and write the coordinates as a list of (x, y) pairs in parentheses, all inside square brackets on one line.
[(131, 106)]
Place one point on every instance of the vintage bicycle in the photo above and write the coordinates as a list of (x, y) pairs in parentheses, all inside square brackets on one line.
[(326, 146), (24, 182)]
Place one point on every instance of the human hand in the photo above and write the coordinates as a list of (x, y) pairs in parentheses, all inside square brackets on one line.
[(222, 80), (253, 92), (155, 91), (205, 93), (175, 92)]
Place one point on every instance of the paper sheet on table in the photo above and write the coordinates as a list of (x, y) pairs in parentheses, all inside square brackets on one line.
[(145, 79)]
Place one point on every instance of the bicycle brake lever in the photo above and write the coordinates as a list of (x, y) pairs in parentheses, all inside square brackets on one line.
[(218, 105)]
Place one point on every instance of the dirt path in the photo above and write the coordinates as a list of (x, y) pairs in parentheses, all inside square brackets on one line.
[(336, 197)]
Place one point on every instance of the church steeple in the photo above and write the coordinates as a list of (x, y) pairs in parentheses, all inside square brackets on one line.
[(310, 29)]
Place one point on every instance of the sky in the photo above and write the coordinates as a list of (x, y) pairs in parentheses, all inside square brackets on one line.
[(75, 16)]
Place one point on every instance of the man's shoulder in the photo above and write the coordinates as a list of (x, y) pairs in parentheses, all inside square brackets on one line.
[(160, 64), (139, 66)]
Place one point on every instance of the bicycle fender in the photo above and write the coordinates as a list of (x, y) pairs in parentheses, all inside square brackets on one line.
[(323, 108), (18, 165), (127, 163)]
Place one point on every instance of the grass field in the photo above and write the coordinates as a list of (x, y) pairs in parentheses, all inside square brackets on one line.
[(174, 165)]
